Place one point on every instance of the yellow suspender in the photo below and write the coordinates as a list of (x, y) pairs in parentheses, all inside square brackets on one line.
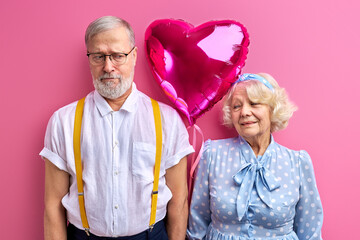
[(78, 166), (158, 132)]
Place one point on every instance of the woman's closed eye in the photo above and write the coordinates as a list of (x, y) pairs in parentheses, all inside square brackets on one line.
[(236, 106)]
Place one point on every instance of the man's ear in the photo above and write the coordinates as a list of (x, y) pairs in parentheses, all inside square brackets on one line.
[(134, 52)]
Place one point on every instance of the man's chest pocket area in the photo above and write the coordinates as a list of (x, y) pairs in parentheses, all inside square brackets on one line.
[(143, 162)]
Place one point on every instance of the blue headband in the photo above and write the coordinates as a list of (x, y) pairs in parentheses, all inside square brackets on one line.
[(250, 76)]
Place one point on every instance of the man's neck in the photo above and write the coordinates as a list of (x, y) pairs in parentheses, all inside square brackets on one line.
[(117, 103)]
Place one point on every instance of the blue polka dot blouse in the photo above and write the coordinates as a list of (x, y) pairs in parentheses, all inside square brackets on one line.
[(239, 196)]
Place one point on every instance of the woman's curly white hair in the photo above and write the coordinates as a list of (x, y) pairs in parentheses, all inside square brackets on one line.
[(280, 106)]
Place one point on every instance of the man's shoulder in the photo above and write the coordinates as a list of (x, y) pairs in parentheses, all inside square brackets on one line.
[(69, 109), (165, 108)]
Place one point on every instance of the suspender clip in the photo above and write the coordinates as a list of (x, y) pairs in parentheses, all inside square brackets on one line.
[(87, 230), (151, 227), (154, 192)]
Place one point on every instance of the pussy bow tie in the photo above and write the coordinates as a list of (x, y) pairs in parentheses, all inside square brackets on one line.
[(246, 177)]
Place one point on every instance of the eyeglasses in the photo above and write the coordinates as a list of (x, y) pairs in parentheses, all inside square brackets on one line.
[(116, 58)]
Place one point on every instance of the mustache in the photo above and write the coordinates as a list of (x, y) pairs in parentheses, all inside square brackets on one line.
[(108, 75)]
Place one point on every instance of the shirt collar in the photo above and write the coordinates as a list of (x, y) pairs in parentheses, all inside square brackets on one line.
[(130, 104)]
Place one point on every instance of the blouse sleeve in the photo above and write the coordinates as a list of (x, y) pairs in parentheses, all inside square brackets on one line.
[(309, 212), (200, 217)]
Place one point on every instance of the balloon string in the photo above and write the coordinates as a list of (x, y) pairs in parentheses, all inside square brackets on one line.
[(194, 146), (195, 157)]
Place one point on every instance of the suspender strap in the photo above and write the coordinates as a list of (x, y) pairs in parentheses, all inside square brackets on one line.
[(77, 153), (158, 132)]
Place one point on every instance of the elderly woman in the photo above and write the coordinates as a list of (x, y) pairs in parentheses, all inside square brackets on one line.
[(250, 187)]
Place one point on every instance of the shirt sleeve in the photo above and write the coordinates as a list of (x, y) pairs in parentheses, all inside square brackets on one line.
[(176, 138), (200, 215), (309, 212), (54, 143)]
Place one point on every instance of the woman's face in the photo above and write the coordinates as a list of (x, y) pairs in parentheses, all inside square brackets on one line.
[(251, 120)]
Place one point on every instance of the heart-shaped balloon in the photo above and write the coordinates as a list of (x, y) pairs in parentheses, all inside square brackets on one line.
[(196, 66)]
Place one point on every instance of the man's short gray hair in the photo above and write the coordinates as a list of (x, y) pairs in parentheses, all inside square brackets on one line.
[(107, 23)]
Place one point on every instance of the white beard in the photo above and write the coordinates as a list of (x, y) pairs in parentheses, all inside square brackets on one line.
[(107, 90)]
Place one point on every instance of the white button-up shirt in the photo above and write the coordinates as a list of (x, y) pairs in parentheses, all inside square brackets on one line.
[(118, 156)]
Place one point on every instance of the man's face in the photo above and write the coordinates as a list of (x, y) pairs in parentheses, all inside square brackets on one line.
[(112, 80)]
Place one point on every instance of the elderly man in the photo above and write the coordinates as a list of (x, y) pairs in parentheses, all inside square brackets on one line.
[(114, 198)]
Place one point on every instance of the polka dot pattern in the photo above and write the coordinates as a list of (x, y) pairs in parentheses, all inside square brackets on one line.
[(240, 196)]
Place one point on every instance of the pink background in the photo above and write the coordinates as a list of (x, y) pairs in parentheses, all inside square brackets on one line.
[(310, 47)]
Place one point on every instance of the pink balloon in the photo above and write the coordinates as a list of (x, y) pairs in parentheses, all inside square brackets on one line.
[(196, 66)]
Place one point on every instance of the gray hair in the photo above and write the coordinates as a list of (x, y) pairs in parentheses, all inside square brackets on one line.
[(107, 23)]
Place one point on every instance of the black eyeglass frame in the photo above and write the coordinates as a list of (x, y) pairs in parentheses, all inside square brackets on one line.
[(110, 55)]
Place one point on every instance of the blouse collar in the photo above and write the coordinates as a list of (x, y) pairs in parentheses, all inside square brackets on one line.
[(254, 172), (248, 154)]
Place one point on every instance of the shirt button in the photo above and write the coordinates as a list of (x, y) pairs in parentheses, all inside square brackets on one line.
[(116, 206), (116, 173)]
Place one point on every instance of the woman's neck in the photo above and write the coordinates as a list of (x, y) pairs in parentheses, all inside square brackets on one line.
[(259, 144)]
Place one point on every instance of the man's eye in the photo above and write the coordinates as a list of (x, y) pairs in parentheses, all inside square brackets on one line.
[(118, 56), (98, 56)]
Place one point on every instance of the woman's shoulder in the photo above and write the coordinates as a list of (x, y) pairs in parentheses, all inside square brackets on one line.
[(297, 155), (220, 143)]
